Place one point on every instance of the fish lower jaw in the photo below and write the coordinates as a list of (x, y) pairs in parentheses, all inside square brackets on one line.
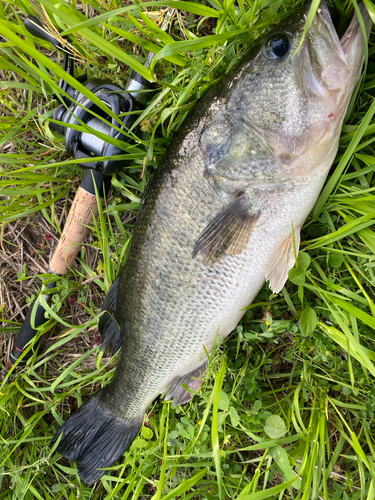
[(354, 32)]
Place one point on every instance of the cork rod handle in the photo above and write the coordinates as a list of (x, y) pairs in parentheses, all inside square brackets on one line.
[(81, 214)]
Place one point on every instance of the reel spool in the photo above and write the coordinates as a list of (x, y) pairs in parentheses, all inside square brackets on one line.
[(84, 145)]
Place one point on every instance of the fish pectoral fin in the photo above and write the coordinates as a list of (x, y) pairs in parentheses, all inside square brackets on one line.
[(228, 233), (108, 326), (95, 437), (193, 380), (283, 261)]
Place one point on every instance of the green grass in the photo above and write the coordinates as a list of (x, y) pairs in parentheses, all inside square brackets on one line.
[(288, 407)]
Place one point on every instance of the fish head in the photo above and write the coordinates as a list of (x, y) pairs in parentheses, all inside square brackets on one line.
[(282, 110), (299, 88)]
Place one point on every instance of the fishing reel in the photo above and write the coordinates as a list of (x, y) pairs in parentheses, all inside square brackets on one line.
[(84, 145), (77, 109)]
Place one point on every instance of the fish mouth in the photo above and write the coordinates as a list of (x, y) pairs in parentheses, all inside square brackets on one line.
[(332, 63), (352, 40), (331, 68)]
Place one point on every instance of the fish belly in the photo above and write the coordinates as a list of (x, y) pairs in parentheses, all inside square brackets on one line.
[(238, 279), (178, 307)]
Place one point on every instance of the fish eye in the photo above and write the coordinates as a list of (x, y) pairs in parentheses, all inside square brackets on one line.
[(276, 47)]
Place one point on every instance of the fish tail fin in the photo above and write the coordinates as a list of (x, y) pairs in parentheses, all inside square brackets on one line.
[(95, 437)]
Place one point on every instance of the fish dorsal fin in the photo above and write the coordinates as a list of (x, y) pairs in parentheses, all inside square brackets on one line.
[(108, 326), (283, 260), (228, 233), (193, 380)]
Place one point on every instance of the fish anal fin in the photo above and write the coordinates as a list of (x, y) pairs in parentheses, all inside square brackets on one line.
[(108, 326), (228, 233), (193, 380), (283, 261)]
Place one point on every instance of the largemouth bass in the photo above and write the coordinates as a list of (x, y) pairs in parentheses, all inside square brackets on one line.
[(222, 216)]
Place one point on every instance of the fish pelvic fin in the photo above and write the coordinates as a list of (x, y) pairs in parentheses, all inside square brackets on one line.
[(108, 326), (283, 261), (228, 233), (95, 437), (193, 380)]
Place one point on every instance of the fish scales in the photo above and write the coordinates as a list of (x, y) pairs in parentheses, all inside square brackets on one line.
[(174, 304), (223, 214)]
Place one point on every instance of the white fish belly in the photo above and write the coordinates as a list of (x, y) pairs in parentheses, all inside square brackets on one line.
[(243, 275)]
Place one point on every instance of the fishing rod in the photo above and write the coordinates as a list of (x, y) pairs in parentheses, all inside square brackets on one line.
[(75, 110)]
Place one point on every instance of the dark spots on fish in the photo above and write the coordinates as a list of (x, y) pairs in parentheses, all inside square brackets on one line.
[(286, 157)]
